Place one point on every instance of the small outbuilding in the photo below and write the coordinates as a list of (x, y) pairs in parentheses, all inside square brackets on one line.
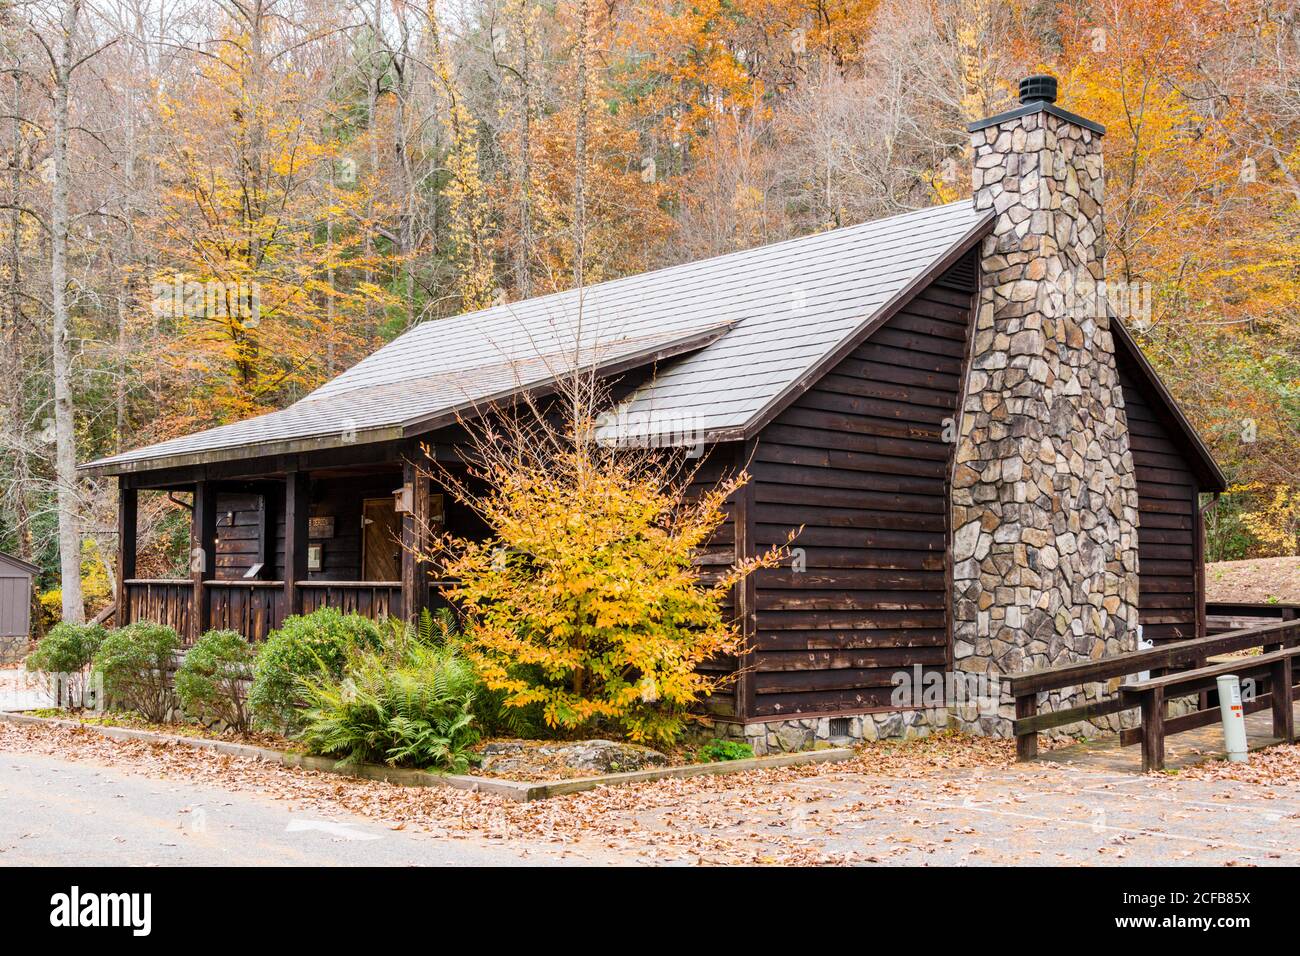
[(16, 577)]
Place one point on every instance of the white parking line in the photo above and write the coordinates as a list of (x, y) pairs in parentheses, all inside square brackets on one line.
[(345, 830)]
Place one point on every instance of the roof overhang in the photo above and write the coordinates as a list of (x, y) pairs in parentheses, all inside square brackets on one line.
[(468, 409), (19, 563), (1038, 106)]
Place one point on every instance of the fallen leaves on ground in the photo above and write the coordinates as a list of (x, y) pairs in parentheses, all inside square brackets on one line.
[(607, 819), (1253, 581), (937, 753), (1273, 765), (790, 816), (132, 721), (720, 823)]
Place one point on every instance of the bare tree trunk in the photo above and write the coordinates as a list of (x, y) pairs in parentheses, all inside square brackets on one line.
[(580, 152), (374, 80), (16, 344), (581, 394), (524, 249), (65, 437), (403, 75), (124, 275), (330, 356)]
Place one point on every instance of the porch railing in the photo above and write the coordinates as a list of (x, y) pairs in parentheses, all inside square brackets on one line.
[(253, 608), (163, 601), (373, 599), (1221, 616)]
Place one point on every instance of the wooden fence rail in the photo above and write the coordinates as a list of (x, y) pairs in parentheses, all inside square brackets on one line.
[(253, 608), (162, 601), (1180, 655), (1151, 696), (1221, 616), (372, 599)]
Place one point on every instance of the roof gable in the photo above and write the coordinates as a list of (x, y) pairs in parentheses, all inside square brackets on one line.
[(11, 564), (1204, 466)]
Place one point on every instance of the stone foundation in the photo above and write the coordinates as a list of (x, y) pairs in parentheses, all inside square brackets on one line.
[(808, 733), (13, 649), (811, 733)]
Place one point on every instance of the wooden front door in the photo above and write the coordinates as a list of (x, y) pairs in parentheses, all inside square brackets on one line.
[(381, 537)]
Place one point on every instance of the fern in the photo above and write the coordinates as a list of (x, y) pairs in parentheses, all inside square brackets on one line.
[(409, 704)]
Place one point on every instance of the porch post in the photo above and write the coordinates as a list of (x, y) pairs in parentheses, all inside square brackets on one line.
[(266, 533), (203, 556), (127, 510), (296, 508), (415, 576), (745, 594)]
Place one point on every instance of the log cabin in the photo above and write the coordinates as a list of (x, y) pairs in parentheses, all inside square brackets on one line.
[(988, 474)]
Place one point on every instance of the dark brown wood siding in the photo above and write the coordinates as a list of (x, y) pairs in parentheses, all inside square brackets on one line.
[(1170, 592), (341, 498), (721, 552), (240, 532), (861, 460), (15, 598)]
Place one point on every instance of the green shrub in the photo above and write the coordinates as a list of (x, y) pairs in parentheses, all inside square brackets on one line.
[(66, 648), (717, 750), (133, 663), (211, 682), (311, 645), (64, 654), (410, 704)]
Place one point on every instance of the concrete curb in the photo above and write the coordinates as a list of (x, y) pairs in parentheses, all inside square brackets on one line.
[(517, 791)]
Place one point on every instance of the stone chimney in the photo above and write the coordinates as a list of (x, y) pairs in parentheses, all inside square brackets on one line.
[(1044, 498)]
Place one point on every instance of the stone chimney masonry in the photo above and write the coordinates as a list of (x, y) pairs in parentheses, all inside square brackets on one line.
[(1044, 496)]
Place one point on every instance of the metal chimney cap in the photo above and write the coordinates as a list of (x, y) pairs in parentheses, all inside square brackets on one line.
[(1038, 89), (1037, 95)]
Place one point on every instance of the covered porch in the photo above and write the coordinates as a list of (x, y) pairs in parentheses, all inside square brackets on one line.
[(286, 535)]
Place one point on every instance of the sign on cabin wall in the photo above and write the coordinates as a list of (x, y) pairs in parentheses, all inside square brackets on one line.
[(322, 527), (316, 556)]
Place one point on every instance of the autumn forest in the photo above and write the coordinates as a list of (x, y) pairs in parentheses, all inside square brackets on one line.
[(210, 207)]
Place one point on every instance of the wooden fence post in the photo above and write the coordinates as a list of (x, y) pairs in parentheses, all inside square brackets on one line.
[(203, 557), (296, 508), (1153, 730), (415, 542), (1280, 690), (1026, 744)]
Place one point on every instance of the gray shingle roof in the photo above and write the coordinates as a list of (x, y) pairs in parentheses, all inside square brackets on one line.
[(745, 326)]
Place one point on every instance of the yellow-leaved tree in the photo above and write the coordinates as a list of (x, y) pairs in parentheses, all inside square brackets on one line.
[(586, 602), (1274, 519), (260, 289)]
